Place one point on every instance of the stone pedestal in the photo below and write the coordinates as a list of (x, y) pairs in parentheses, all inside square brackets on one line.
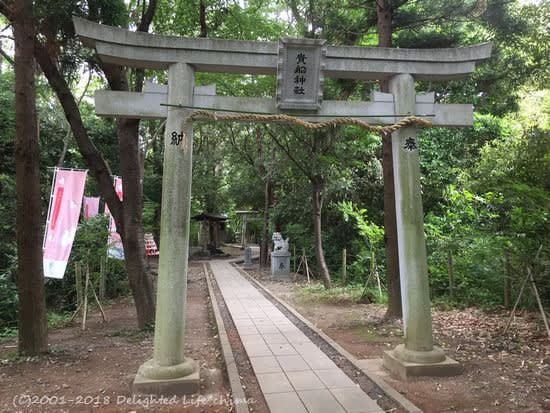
[(168, 381), (280, 265), (247, 258), (428, 363)]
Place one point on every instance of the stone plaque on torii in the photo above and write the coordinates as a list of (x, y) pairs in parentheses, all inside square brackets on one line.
[(169, 371)]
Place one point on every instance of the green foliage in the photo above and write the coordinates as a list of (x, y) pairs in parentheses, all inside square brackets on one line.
[(365, 263), (56, 320), (349, 294), (459, 235), (371, 232), (8, 333), (89, 249), (497, 206), (338, 295), (8, 302)]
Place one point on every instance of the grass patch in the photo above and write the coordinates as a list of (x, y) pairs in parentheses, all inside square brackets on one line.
[(133, 333), (366, 333), (350, 294), (57, 320), (14, 356), (337, 295), (8, 333)]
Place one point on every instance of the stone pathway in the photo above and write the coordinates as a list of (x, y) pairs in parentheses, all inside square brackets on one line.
[(294, 374)]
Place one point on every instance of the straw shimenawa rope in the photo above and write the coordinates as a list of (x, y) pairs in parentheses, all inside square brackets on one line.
[(252, 117)]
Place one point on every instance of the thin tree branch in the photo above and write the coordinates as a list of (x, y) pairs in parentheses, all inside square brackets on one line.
[(147, 17), (87, 148), (7, 57), (288, 153), (68, 134), (244, 154), (143, 26), (6, 10)]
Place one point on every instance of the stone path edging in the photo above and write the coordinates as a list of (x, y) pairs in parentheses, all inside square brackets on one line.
[(380, 383), (230, 366)]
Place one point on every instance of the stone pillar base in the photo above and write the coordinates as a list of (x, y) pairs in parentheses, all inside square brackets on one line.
[(406, 369), (167, 384), (280, 265)]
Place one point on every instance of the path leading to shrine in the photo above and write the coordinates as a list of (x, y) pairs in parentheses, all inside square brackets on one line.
[(294, 374)]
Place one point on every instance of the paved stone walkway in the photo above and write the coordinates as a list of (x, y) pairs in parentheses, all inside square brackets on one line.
[(294, 374)]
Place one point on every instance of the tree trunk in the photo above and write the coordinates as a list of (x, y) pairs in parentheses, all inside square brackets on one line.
[(395, 309), (89, 151), (268, 197), (202, 19), (132, 230), (268, 202), (384, 15), (132, 206), (33, 329), (317, 206)]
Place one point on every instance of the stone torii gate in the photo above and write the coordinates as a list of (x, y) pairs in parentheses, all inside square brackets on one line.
[(300, 66)]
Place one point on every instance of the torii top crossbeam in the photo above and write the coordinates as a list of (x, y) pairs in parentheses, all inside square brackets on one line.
[(144, 50)]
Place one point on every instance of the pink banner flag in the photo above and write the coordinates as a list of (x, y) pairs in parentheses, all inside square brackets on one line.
[(114, 241), (63, 214), (91, 206)]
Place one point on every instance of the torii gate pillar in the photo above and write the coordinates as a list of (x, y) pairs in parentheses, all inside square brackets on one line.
[(169, 372), (417, 356)]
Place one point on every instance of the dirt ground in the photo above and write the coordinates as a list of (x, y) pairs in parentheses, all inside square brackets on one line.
[(501, 373), (92, 370)]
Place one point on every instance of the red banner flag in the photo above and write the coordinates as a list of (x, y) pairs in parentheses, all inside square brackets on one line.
[(91, 206), (114, 241), (65, 203)]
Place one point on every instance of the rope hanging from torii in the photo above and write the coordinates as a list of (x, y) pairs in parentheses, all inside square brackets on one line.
[(253, 117)]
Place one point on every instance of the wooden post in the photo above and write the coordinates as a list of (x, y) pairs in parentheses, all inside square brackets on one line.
[(307, 266), (78, 284), (294, 256), (541, 308), (78, 288), (512, 313), (507, 281), (102, 270), (344, 267), (375, 272), (450, 273), (98, 302), (516, 304), (85, 310)]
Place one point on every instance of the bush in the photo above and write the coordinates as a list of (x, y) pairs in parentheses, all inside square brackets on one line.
[(8, 302), (89, 248)]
